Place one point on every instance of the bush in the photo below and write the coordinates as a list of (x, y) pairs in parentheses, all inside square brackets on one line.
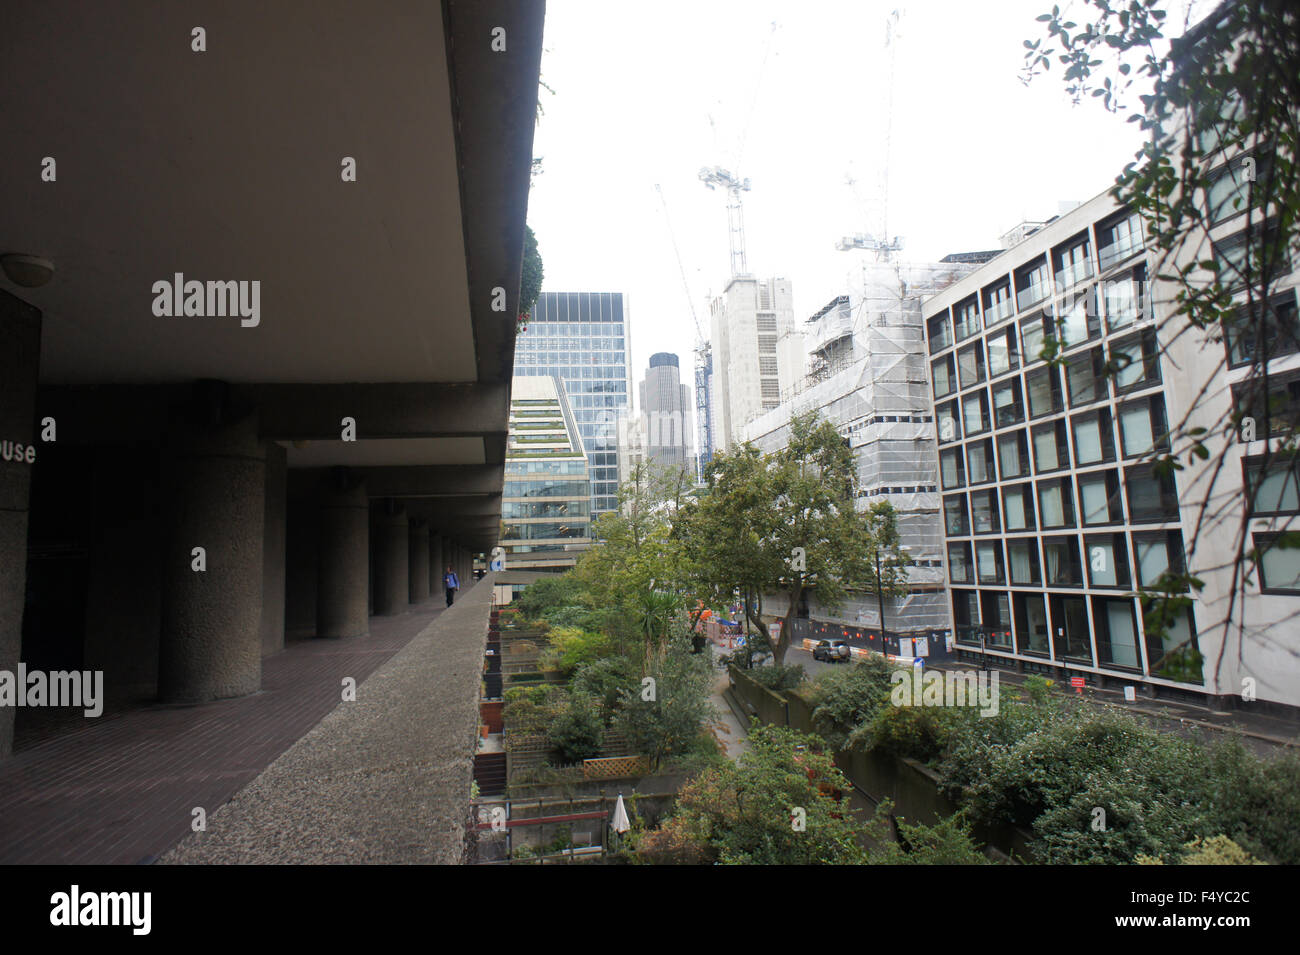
[(578, 730), (843, 699), (607, 680), (548, 594), (571, 648)]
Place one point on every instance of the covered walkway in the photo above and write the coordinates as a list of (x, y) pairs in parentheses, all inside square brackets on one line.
[(123, 790)]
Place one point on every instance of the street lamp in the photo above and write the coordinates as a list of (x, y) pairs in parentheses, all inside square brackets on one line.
[(880, 594)]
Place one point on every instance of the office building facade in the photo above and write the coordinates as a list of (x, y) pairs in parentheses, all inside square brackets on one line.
[(666, 414), (757, 353), (546, 500), (1055, 513), (582, 338)]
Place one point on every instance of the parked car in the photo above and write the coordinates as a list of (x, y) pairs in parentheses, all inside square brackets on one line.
[(832, 651)]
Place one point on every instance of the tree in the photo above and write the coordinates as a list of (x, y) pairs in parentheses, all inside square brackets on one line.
[(530, 284), (787, 522), (773, 808), (636, 571), (1222, 131)]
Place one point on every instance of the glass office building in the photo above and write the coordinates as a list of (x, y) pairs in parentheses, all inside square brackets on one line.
[(546, 499), (582, 339)]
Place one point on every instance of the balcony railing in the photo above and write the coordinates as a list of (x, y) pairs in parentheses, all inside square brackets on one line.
[(1072, 275), (1119, 251), (1027, 298)]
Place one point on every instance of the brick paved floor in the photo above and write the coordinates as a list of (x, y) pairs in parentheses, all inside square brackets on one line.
[(123, 790)]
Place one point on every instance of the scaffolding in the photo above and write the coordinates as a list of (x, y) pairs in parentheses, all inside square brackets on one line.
[(868, 375)]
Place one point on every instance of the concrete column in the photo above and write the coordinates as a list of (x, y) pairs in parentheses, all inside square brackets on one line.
[(20, 357), (210, 643), (419, 547), (343, 559), (273, 549), (392, 559), (435, 572), (437, 566)]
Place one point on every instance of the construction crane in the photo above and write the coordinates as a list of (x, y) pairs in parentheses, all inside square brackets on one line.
[(703, 354), (884, 248), (715, 177)]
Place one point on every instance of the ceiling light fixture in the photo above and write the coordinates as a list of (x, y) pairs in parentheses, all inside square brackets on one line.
[(29, 271)]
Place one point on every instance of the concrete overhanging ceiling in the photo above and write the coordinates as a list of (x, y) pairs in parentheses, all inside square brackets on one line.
[(225, 165)]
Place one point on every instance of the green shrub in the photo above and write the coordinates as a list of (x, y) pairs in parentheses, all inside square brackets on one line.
[(578, 731), (607, 680), (845, 698)]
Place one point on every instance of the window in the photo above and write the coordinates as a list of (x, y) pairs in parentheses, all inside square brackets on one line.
[(1117, 642), (1152, 497), (1276, 325), (959, 563), (1061, 566), (1007, 409), (1031, 285), (1107, 560), (995, 615), (975, 412), (941, 373), (970, 365), (1050, 443), (954, 515), (1142, 426), (1073, 262), (1085, 377), (1055, 503), (939, 331), (950, 467), (1157, 554), (979, 460), (1230, 190), (1003, 354), (1279, 566), (1123, 298), (1018, 504), (1044, 392), (984, 512), (1079, 319), (1030, 612), (997, 303), (1013, 455), (966, 319), (1279, 413), (1252, 257), (1093, 441), (1035, 331), (1022, 560), (946, 418), (1273, 489), (1170, 634), (1119, 239), (1099, 498), (1135, 362), (988, 562), (965, 614)]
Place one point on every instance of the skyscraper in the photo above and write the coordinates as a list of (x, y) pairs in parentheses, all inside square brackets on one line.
[(546, 500), (581, 338), (666, 413), (757, 353)]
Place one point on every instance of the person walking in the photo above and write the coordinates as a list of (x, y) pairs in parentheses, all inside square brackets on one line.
[(451, 583)]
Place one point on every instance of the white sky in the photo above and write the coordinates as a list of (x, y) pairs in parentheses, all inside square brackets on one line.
[(650, 93)]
